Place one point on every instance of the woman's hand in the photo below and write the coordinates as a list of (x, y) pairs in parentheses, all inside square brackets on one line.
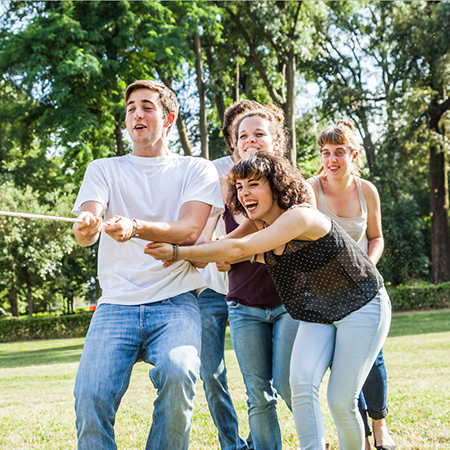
[(223, 266), (160, 251)]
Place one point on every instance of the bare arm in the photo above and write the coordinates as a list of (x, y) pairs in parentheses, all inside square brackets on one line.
[(87, 232), (185, 231), (312, 190), (245, 228), (374, 230), (297, 223)]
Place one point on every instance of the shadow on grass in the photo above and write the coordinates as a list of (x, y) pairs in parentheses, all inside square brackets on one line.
[(420, 322), (41, 357)]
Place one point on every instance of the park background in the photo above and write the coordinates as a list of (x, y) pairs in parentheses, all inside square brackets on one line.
[(64, 66)]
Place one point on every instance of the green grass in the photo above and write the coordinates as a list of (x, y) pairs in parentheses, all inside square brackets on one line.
[(37, 379)]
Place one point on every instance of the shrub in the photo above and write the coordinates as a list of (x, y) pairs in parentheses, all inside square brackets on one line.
[(44, 327), (421, 295)]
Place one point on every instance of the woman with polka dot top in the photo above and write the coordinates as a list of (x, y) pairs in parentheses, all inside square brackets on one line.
[(324, 279), (354, 204)]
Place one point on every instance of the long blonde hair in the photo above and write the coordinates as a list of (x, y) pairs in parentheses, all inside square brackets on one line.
[(341, 133)]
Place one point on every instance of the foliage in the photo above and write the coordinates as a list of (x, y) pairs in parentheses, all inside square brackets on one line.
[(421, 295), (44, 327), (33, 250)]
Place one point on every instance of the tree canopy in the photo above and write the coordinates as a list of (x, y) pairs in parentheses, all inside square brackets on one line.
[(64, 66)]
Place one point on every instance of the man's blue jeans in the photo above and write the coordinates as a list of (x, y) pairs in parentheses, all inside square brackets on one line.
[(214, 311), (166, 334), (263, 340)]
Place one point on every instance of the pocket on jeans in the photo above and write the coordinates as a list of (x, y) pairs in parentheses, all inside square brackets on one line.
[(233, 305)]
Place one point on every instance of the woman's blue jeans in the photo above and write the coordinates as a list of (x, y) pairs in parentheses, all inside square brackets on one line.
[(351, 344), (373, 397), (166, 334), (263, 340), (214, 311)]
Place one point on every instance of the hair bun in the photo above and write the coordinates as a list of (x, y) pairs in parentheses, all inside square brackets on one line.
[(346, 123)]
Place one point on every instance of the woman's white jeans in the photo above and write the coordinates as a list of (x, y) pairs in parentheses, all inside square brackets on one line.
[(350, 346)]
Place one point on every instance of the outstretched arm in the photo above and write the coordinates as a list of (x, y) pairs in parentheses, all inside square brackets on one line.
[(185, 231), (298, 223)]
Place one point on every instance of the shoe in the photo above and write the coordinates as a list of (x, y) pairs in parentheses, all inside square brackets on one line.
[(384, 447)]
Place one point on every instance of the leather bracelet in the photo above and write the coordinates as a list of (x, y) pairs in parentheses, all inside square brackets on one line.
[(176, 252), (136, 227)]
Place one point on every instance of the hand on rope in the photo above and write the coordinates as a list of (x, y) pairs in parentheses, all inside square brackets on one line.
[(88, 224), (120, 228)]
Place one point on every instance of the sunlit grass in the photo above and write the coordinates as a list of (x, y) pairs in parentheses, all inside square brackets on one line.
[(37, 379)]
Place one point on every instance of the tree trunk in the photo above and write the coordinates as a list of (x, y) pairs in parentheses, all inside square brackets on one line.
[(120, 150), (13, 293), (290, 106), (201, 93), (238, 76), (218, 96), (369, 147), (440, 226), (184, 140), (29, 296), (70, 304)]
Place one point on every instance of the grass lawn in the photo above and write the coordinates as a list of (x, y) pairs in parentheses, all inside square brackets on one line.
[(37, 379)]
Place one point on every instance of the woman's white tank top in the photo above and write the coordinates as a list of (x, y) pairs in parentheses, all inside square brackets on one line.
[(356, 227)]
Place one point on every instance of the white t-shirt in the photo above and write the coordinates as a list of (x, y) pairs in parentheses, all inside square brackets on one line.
[(218, 281), (150, 189)]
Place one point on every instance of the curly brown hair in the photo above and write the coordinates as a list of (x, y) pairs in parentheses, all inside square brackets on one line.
[(286, 183)]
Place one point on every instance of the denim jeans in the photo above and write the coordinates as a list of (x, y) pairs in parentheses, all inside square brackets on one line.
[(263, 340), (373, 397), (214, 311), (351, 344), (166, 334)]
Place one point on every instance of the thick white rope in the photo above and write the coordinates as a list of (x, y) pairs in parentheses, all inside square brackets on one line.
[(63, 219)]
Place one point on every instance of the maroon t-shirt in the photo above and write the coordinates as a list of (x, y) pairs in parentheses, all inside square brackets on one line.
[(249, 284)]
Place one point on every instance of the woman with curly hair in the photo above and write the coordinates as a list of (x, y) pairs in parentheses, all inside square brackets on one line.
[(324, 280)]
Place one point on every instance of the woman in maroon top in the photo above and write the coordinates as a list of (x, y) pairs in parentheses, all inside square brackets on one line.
[(262, 332)]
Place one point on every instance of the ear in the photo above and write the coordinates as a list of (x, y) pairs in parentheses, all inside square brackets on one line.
[(170, 120), (355, 156), (276, 144)]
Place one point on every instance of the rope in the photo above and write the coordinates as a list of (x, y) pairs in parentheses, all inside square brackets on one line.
[(38, 216), (63, 219)]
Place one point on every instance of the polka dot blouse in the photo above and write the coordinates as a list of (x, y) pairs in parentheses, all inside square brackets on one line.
[(325, 280)]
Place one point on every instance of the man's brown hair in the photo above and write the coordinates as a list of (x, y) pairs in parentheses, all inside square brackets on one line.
[(167, 96)]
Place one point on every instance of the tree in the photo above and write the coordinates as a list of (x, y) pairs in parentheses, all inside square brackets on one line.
[(32, 250), (279, 38)]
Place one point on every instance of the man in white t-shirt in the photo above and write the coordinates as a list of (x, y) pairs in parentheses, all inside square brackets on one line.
[(147, 312)]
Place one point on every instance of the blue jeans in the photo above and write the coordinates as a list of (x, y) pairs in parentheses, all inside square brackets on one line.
[(214, 311), (373, 397), (351, 344), (263, 340), (166, 334)]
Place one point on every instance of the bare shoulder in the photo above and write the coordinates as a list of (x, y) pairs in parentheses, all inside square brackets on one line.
[(370, 191), (372, 197), (315, 190), (309, 221)]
